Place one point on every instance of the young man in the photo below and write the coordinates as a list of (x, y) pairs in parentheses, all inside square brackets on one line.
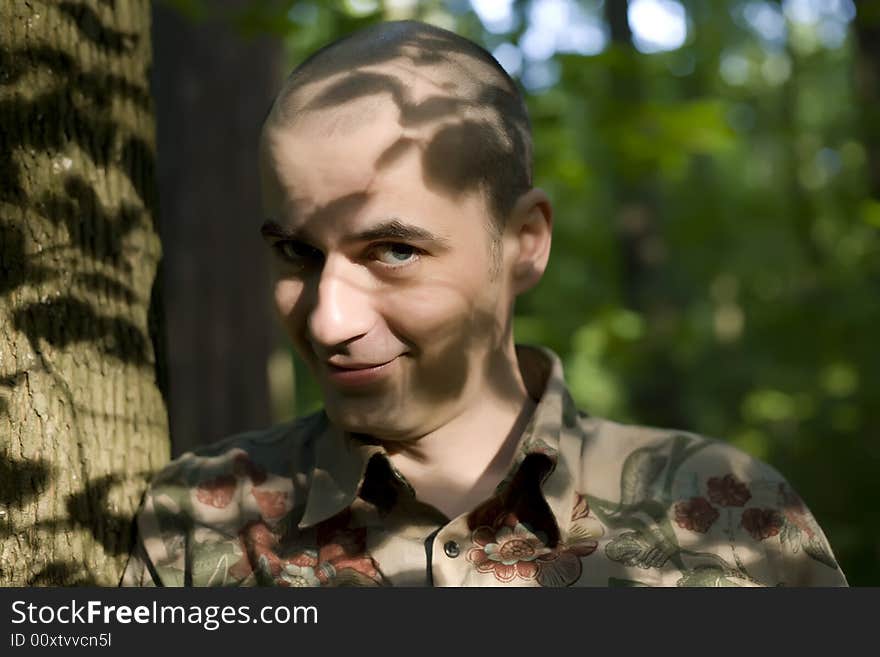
[(401, 217)]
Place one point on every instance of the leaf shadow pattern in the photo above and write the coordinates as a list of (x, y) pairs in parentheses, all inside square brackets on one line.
[(56, 121), (100, 88), (484, 134), (90, 28), (72, 112), (67, 321), (22, 480), (66, 573), (470, 130), (90, 509)]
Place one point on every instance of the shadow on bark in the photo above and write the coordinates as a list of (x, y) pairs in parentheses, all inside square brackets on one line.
[(71, 114), (64, 573), (21, 481), (90, 28)]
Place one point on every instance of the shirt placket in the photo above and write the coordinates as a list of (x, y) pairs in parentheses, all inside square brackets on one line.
[(448, 563)]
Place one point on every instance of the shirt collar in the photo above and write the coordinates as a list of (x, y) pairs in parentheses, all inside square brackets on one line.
[(341, 457)]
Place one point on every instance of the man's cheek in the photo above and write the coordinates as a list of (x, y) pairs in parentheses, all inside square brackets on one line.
[(287, 296), (438, 313)]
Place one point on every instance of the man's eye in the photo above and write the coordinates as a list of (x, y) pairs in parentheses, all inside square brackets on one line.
[(396, 254), (297, 252)]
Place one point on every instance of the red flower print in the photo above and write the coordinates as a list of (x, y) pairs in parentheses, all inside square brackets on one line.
[(695, 514), (562, 567), (242, 466), (510, 550), (259, 542), (795, 511), (728, 491), (762, 523), (217, 492), (272, 503), (581, 507)]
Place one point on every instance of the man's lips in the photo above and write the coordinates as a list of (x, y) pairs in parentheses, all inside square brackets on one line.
[(356, 366), (358, 373)]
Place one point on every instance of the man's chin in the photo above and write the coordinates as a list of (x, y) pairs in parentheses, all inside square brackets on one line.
[(373, 423)]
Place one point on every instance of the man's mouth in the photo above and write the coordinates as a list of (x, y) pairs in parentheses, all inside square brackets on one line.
[(350, 373), (356, 366)]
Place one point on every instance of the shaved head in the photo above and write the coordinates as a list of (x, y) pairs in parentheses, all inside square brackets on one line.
[(451, 98)]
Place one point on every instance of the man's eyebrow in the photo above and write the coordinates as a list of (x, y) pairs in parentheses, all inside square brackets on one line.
[(394, 229), (272, 228)]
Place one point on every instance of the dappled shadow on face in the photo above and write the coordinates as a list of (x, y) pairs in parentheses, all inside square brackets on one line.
[(472, 125), (463, 143), (447, 359), (467, 123)]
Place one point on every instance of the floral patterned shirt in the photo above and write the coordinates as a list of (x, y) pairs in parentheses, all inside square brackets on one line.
[(587, 502)]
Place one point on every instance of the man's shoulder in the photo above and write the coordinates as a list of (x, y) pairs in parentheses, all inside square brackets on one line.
[(633, 465), (201, 502), (680, 453), (245, 477), (277, 449), (681, 495)]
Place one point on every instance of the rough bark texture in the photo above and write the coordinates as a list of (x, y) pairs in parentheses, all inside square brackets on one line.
[(212, 90), (82, 418)]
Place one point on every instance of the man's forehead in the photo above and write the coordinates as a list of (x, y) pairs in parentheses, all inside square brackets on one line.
[(336, 130), (337, 151), (394, 101), (365, 88)]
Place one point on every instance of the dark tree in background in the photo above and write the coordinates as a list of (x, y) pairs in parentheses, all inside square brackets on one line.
[(867, 28), (212, 89), (82, 419)]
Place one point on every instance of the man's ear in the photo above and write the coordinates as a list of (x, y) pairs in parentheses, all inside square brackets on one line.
[(528, 232)]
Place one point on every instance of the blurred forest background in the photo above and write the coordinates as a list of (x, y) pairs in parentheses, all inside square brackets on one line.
[(715, 169)]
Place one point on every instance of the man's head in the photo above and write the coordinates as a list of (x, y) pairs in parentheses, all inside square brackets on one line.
[(397, 187)]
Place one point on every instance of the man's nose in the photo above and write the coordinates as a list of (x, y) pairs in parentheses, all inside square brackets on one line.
[(342, 310)]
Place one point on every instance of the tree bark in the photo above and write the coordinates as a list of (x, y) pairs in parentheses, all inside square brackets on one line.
[(212, 90), (82, 416)]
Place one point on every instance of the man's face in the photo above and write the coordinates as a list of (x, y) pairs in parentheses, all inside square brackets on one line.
[(384, 282)]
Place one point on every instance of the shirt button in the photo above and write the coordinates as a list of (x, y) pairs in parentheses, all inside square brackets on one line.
[(451, 549)]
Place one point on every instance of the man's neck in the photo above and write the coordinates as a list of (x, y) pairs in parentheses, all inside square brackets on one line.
[(460, 463)]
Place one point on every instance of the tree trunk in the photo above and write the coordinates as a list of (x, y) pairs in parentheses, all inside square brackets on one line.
[(213, 89), (82, 416), (867, 31), (656, 398)]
